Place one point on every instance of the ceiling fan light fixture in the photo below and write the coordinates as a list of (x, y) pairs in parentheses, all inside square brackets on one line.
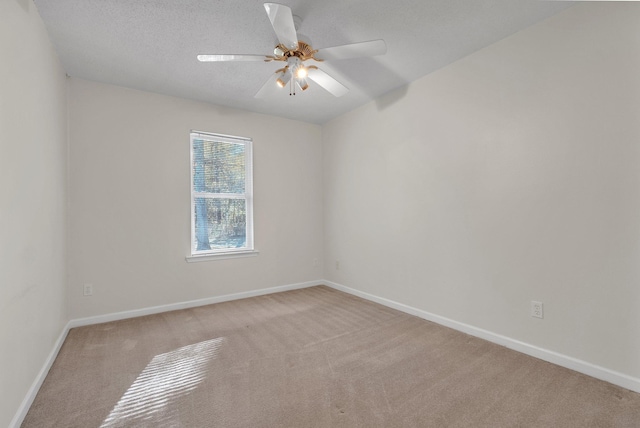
[(301, 72), (302, 84), (285, 76)]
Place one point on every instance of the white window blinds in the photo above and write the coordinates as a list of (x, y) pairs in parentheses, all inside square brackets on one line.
[(221, 194)]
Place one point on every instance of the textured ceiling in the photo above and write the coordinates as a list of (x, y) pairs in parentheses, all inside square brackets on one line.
[(152, 45)]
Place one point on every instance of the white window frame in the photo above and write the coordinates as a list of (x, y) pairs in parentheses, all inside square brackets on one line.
[(223, 253)]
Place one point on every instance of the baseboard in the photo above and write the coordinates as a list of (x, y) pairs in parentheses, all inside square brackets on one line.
[(80, 322), (575, 364), (33, 391), (37, 383)]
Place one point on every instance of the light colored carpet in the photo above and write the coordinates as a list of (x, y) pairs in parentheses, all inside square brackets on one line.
[(310, 358)]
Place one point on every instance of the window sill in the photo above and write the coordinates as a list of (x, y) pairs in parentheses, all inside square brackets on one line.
[(221, 256)]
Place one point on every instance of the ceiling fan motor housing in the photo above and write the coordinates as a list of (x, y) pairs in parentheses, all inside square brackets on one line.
[(304, 51)]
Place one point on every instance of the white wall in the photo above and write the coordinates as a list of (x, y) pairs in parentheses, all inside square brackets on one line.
[(509, 176), (129, 200), (33, 142)]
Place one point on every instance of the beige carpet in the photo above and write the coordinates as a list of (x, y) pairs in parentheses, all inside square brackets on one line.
[(310, 358)]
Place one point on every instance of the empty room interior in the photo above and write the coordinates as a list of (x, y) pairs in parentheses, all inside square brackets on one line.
[(417, 213)]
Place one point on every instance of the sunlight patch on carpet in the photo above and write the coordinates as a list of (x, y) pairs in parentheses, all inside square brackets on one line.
[(166, 378)]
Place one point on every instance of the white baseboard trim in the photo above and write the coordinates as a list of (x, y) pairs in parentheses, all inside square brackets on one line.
[(598, 372), (80, 322), (37, 383)]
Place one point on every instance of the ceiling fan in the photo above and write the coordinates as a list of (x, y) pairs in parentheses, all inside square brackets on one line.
[(295, 52)]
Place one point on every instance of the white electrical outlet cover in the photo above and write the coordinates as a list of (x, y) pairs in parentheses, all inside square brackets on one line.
[(537, 309)]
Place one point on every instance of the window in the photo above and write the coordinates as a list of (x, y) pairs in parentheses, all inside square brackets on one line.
[(221, 195)]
